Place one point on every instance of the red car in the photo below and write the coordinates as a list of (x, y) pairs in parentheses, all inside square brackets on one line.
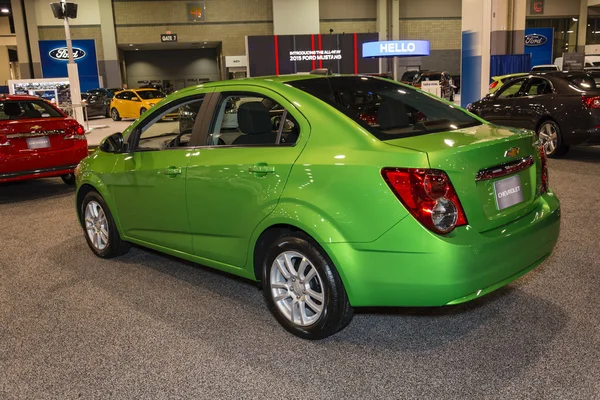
[(38, 140)]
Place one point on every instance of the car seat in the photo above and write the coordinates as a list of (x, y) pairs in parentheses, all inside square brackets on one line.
[(255, 123), (12, 109), (392, 116)]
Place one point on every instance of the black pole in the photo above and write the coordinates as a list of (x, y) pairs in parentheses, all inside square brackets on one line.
[(29, 59)]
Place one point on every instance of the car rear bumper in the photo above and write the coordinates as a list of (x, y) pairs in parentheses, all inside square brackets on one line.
[(410, 266), (18, 167)]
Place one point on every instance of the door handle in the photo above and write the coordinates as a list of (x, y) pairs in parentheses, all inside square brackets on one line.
[(261, 169), (171, 171)]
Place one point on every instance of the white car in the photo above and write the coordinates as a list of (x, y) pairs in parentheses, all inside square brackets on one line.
[(545, 68)]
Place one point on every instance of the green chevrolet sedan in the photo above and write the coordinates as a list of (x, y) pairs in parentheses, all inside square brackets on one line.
[(333, 192)]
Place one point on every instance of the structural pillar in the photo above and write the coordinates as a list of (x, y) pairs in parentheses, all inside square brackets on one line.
[(383, 25), (475, 56), (582, 26), (27, 39), (508, 27), (395, 30), (292, 17), (109, 67)]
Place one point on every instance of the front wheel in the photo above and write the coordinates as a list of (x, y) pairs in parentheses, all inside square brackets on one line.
[(303, 289), (551, 137), (99, 227), (142, 111), (114, 114)]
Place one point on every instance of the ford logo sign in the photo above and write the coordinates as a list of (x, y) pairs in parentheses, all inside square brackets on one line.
[(535, 40), (62, 53)]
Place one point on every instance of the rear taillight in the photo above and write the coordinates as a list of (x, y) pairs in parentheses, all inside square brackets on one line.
[(543, 159), (493, 84), (75, 132), (591, 101), (428, 195)]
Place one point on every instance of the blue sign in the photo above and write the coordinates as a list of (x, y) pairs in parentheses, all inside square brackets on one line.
[(539, 43), (393, 48), (54, 57)]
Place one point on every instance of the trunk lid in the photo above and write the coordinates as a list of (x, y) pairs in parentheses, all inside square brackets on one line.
[(36, 135), (465, 153)]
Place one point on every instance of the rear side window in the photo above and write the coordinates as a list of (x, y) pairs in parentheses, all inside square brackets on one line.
[(584, 82), (27, 109), (386, 109)]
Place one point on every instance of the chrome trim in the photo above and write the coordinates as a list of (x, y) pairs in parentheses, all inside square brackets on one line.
[(7, 143), (504, 169), (32, 134), (37, 171)]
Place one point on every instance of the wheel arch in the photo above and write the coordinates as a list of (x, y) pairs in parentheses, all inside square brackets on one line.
[(86, 187), (543, 119)]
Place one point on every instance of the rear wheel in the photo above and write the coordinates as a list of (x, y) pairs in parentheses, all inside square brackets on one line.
[(69, 179), (107, 112), (99, 227), (551, 137), (303, 289), (114, 114)]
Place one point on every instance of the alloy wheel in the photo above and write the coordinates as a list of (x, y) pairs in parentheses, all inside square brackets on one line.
[(549, 137), (96, 225), (297, 288)]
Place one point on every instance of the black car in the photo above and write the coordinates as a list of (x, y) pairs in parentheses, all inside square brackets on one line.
[(95, 105), (443, 78), (562, 107), (409, 77)]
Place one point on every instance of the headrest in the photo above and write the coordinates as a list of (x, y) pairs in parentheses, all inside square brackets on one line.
[(254, 118), (12, 109), (392, 114)]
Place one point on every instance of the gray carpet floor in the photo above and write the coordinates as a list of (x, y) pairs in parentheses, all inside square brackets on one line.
[(153, 327)]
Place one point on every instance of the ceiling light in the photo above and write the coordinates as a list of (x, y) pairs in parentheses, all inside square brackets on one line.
[(575, 19), (5, 10), (205, 42), (131, 45), (137, 49)]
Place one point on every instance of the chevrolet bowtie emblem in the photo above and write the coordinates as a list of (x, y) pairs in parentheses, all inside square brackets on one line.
[(35, 128), (513, 151)]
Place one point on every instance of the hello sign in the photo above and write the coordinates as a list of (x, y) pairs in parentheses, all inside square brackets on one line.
[(62, 53)]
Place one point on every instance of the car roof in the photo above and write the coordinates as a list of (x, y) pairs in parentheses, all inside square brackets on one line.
[(545, 66), (21, 97)]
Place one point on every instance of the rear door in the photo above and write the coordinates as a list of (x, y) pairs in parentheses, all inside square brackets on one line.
[(533, 103), (237, 175), (499, 109)]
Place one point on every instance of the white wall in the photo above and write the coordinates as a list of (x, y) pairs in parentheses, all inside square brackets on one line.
[(295, 17), (88, 13)]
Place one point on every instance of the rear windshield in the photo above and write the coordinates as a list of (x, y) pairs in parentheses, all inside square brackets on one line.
[(12, 109), (409, 76), (150, 94), (596, 76), (585, 82), (386, 109), (544, 69)]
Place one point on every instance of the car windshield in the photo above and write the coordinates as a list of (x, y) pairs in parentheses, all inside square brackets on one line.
[(409, 76), (12, 109), (386, 109), (150, 94)]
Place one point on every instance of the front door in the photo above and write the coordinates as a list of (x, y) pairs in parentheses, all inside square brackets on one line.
[(236, 176), (499, 109), (149, 182)]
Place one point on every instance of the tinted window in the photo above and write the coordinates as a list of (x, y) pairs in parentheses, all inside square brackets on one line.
[(430, 77), (27, 109), (596, 76), (386, 109), (511, 89), (538, 86), (150, 94), (544, 69), (123, 96), (585, 82)]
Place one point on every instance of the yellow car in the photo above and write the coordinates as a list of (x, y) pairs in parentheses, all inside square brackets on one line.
[(132, 103)]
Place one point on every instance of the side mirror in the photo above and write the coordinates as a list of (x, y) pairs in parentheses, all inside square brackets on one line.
[(114, 144)]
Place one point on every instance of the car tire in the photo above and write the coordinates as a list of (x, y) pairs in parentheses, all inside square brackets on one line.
[(550, 135), (311, 308), (99, 227), (69, 178), (114, 114), (142, 111), (107, 112)]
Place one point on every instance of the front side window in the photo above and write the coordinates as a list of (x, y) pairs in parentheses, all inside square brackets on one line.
[(538, 86), (511, 89), (150, 94), (163, 132), (27, 109), (248, 119), (386, 109)]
